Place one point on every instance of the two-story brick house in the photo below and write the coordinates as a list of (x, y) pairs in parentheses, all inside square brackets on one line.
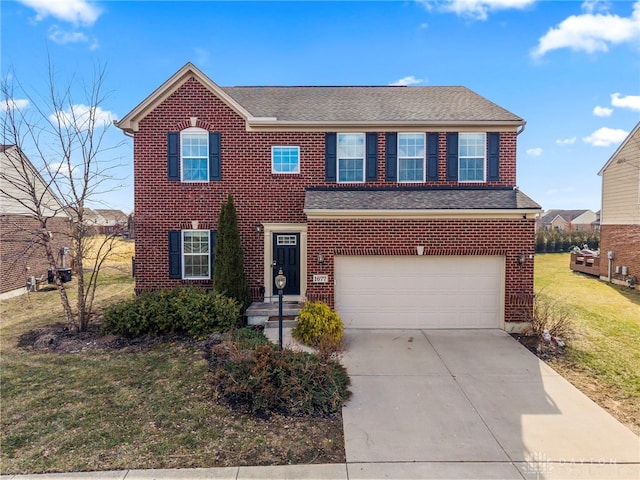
[(397, 205)]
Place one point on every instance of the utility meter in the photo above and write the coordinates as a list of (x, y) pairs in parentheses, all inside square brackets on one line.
[(610, 254)]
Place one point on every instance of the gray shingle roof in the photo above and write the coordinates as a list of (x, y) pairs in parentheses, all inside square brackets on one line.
[(426, 199), (567, 215), (373, 104)]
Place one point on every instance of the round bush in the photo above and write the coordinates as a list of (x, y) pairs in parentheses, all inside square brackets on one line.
[(318, 324)]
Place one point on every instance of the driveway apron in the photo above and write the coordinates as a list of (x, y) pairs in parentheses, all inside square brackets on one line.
[(471, 396)]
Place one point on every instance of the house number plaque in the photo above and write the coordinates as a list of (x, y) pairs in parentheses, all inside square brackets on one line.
[(321, 279)]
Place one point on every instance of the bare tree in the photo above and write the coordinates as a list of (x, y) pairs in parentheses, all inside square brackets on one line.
[(62, 153)]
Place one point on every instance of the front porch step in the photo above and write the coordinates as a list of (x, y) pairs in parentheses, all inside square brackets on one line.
[(260, 313)]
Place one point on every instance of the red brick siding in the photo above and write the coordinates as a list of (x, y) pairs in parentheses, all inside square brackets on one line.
[(260, 197), (624, 240), (439, 237), (20, 254)]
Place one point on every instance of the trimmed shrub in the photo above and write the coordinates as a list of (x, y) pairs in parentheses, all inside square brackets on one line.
[(319, 325), (263, 380), (185, 310)]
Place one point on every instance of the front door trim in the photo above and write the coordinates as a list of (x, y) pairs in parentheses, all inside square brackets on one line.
[(269, 229)]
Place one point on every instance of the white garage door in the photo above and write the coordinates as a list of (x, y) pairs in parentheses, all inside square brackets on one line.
[(419, 291)]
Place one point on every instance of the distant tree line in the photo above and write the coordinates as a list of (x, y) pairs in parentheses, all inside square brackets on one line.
[(550, 240)]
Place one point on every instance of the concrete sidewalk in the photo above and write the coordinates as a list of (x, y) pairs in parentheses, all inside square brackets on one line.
[(448, 404)]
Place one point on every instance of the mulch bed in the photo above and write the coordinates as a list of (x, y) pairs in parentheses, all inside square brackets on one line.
[(540, 348)]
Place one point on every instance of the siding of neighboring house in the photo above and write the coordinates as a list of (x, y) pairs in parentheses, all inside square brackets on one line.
[(21, 254), (620, 217)]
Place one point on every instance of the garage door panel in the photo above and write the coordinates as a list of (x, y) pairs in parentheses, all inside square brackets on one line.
[(419, 291)]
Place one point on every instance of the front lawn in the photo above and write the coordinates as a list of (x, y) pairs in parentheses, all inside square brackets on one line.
[(603, 360), (145, 407)]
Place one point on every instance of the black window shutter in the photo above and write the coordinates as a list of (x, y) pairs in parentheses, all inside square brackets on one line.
[(494, 156), (452, 156), (175, 254), (372, 157), (212, 249), (214, 156), (432, 156), (330, 157), (391, 156), (173, 156)]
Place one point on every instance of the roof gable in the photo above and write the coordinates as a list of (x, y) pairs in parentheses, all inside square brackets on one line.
[(16, 183), (130, 121), (635, 134)]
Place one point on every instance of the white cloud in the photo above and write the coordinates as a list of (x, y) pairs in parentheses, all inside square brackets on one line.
[(410, 80), (81, 116), (603, 137), (599, 111), (14, 104), (630, 101), (534, 152), (566, 141), (62, 37), (78, 12), (475, 9), (591, 32)]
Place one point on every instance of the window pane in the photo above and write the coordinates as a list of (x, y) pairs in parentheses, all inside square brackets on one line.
[(472, 169), (195, 248), (350, 145), (410, 145), (350, 170), (195, 156), (411, 170), (286, 159), (472, 157)]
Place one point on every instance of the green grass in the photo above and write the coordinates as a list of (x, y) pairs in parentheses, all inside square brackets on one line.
[(606, 347), (113, 409)]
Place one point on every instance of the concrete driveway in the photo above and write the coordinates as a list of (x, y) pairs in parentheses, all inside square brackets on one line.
[(472, 404)]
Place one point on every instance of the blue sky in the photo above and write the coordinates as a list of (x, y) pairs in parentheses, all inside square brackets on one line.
[(571, 69)]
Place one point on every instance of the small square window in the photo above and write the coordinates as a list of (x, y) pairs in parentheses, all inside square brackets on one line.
[(285, 159)]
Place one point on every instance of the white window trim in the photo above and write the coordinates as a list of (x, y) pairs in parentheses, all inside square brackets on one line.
[(274, 171), (484, 169), (182, 254), (424, 159), (187, 131), (364, 158)]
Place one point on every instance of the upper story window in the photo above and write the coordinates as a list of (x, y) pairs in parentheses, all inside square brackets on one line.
[(350, 157), (194, 155), (472, 157), (285, 159), (196, 251), (411, 157)]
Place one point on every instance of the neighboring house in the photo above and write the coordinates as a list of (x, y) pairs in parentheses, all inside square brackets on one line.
[(569, 220), (620, 214), (21, 255), (93, 220), (113, 221), (397, 205)]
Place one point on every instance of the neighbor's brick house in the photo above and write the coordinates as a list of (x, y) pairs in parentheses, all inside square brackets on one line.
[(620, 215), (21, 253), (397, 205)]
